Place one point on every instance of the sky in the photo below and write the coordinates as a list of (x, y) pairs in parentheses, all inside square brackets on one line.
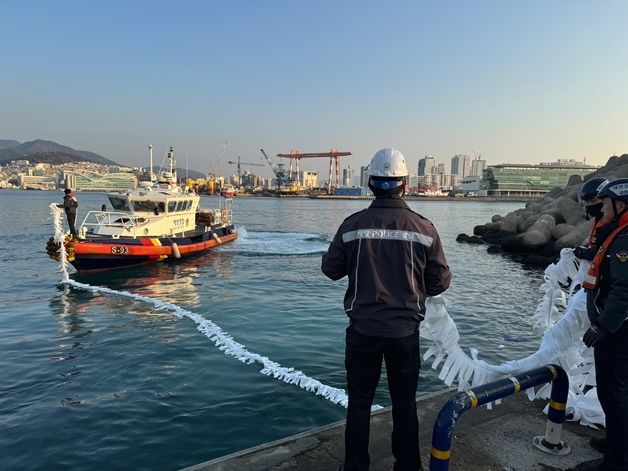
[(515, 82)]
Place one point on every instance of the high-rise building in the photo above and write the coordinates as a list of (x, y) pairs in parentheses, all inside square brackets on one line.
[(477, 166), (347, 177), (426, 165), (364, 176), (460, 165)]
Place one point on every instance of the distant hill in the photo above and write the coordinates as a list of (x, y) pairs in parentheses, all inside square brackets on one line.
[(49, 152), (42, 151), (4, 143)]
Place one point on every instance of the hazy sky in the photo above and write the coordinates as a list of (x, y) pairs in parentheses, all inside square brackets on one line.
[(526, 81)]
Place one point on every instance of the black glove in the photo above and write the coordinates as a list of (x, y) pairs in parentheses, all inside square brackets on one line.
[(595, 333), (579, 251)]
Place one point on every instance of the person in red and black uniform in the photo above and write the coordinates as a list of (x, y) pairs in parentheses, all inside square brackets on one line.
[(593, 209), (607, 306), (394, 259)]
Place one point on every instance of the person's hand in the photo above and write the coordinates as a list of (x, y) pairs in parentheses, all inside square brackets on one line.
[(595, 333), (579, 251)]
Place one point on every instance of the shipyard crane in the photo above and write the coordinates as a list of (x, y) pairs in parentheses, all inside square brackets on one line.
[(334, 158), (239, 163), (279, 171)]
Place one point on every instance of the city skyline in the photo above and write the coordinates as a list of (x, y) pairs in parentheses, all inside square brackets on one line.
[(516, 83)]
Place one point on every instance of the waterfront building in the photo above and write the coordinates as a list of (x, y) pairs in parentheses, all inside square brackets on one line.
[(364, 176), (309, 179), (347, 177), (529, 179), (461, 165), (38, 182), (477, 166), (440, 181), (472, 186), (426, 165), (92, 181)]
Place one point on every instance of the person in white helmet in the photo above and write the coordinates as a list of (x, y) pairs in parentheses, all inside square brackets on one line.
[(393, 259)]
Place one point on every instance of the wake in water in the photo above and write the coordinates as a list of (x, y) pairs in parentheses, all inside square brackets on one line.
[(276, 243)]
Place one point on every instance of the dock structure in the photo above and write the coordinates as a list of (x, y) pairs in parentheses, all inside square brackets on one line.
[(334, 159), (496, 439)]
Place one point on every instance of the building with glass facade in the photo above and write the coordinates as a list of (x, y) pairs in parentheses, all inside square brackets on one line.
[(530, 180), (92, 181)]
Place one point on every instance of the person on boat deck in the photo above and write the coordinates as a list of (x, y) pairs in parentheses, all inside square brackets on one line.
[(394, 259), (70, 203), (593, 209), (606, 285)]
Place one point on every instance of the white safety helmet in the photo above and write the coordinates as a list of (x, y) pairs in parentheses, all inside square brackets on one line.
[(388, 162)]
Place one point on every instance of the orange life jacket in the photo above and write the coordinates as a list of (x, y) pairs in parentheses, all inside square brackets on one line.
[(593, 235), (592, 278)]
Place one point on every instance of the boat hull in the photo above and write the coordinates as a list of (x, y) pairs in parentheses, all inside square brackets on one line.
[(104, 253)]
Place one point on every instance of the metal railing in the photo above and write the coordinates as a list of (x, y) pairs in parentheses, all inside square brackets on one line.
[(471, 398)]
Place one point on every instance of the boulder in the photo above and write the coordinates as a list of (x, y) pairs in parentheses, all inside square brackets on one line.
[(561, 230), (510, 223), (568, 208), (480, 230), (539, 233), (528, 222), (513, 244), (571, 239)]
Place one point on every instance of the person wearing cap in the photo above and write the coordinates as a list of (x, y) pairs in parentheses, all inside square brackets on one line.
[(70, 203), (606, 283), (593, 210), (393, 259)]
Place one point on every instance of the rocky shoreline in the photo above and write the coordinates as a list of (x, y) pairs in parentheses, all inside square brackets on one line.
[(538, 232)]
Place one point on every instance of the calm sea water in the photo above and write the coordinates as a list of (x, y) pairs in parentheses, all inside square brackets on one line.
[(90, 381)]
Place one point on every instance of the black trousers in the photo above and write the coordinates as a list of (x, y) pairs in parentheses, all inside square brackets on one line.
[(611, 371), (71, 216), (363, 360)]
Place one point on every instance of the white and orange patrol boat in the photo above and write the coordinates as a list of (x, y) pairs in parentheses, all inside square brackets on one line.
[(156, 221)]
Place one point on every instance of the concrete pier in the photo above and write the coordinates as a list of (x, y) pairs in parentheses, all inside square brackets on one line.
[(499, 439)]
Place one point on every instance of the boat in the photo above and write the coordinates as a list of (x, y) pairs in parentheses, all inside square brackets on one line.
[(157, 221)]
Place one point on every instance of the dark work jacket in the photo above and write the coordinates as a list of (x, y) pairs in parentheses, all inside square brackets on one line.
[(70, 203), (394, 260), (608, 304)]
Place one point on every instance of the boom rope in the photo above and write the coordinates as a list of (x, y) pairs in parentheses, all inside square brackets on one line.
[(564, 319), (222, 340)]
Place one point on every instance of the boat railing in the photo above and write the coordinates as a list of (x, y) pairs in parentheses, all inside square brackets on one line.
[(110, 219)]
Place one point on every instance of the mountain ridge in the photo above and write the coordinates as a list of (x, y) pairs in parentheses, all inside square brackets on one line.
[(50, 152), (44, 151)]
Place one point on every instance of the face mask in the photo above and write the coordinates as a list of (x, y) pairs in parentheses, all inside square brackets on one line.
[(594, 210)]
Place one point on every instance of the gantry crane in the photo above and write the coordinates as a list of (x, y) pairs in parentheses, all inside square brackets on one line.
[(334, 158), (280, 172), (230, 162)]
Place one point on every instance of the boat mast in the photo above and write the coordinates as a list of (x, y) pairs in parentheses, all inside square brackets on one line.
[(173, 176), (150, 170)]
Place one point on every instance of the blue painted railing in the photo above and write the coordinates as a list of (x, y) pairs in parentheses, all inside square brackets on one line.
[(465, 400)]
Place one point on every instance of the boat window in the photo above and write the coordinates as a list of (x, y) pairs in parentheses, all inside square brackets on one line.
[(145, 206), (119, 203), (180, 205), (189, 204), (171, 206), (162, 207)]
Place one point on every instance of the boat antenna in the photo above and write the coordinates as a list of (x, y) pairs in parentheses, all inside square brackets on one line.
[(150, 170)]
